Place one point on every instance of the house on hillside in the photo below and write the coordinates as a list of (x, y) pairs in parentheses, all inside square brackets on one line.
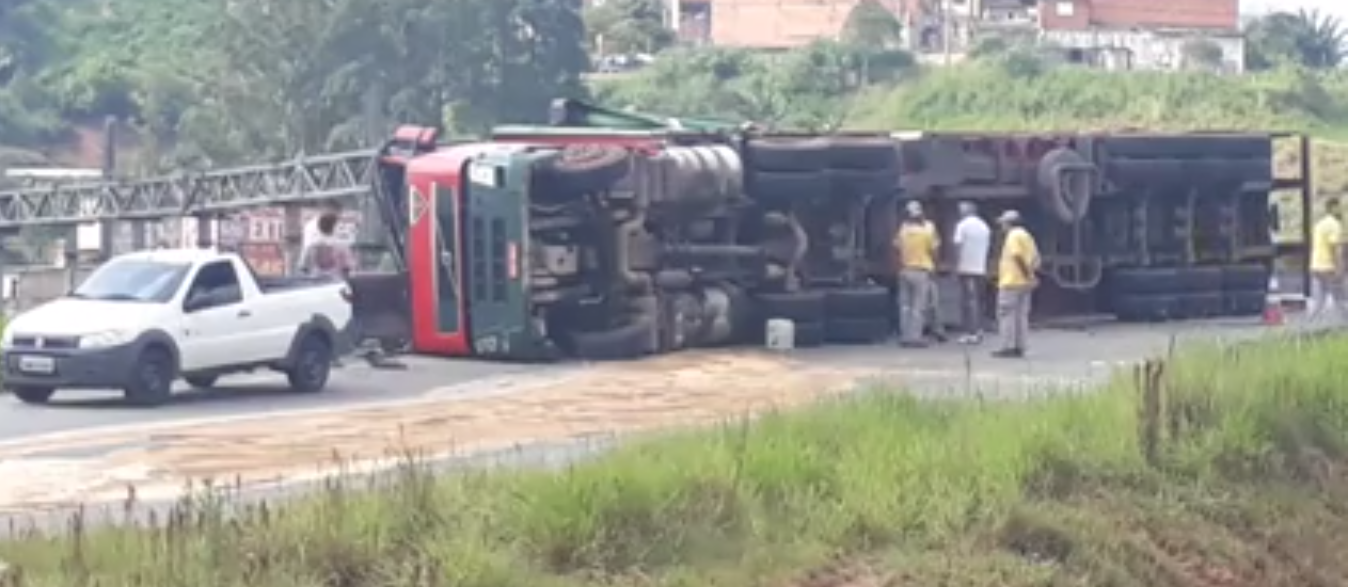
[(1114, 34), (1143, 34)]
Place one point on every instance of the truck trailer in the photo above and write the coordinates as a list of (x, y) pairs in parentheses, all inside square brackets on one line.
[(611, 235)]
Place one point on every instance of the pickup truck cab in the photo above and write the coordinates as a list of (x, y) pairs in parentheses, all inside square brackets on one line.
[(144, 320)]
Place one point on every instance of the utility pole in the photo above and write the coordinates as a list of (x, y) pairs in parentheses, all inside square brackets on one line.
[(947, 30)]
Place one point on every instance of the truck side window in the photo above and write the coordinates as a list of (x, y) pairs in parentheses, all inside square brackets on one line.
[(219, 281)]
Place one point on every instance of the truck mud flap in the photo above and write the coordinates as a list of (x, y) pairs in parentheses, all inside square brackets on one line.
[(380, 304)]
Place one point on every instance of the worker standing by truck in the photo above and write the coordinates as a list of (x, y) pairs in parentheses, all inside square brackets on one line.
[(973, 239), (1327, 265), (1016, 282), (915, 247)]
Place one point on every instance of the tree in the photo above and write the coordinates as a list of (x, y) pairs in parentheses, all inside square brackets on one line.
[(1202, 55), (618, 27), (870, 24), (1307, 38)]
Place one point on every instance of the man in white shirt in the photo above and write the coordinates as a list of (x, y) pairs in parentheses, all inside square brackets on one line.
[(311, 231), (973, 239)]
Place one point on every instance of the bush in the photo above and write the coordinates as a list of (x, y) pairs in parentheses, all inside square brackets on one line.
[(1017, 491)]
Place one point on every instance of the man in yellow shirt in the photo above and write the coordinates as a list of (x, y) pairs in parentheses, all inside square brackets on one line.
[(1327, 265), (915, 249), (1016, 282)]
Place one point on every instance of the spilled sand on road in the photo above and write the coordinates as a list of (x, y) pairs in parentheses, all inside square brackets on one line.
[(679, 390)]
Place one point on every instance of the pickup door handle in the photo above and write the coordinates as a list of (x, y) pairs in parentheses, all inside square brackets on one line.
[(244, 313)]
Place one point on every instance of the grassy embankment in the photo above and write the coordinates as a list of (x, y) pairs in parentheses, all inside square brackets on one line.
[(1237, 478)]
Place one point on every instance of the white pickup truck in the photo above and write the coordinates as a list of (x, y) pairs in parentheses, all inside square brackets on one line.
[(143, 320)]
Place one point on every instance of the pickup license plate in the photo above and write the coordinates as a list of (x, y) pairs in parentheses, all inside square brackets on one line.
[(40, 365)]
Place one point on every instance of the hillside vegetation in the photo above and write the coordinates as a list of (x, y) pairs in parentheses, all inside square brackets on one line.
[(1221, 467)]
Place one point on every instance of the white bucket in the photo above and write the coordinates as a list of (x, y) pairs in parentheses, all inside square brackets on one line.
[(780, 334)]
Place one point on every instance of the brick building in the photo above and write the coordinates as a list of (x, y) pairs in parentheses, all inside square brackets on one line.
[(1121, 34)]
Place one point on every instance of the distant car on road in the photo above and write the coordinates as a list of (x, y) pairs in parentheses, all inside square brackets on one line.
[(146, 319)]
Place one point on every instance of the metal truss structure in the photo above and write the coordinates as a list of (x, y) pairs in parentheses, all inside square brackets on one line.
[(306, 179)]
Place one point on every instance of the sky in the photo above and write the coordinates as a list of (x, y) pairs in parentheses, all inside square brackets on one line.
[(1337, 8)]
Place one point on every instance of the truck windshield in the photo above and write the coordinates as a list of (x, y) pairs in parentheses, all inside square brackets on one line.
[(136, 280)]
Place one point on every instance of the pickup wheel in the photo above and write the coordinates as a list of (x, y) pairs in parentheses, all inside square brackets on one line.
[(152, 378), (33, 395), (313, 364), (201, 381)]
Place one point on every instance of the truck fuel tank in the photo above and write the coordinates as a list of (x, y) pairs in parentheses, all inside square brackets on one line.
[(706, 173)]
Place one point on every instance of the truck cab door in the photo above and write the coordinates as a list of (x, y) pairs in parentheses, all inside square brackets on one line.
[(495, 242)]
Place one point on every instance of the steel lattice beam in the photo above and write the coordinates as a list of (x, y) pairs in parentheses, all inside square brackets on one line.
[(308, 179)]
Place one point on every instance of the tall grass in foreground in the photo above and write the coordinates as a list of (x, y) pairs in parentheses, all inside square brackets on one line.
[(874, 474)]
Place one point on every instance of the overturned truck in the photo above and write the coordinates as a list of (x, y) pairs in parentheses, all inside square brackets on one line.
[(611, 235)]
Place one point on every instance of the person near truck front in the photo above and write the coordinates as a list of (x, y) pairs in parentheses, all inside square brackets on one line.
[(1327, 265), (1016, 282), (312, 232), (915, 244), (973, 239), (330, 255)]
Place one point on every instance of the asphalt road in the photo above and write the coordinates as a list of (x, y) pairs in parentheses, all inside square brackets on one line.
[(253, 394)]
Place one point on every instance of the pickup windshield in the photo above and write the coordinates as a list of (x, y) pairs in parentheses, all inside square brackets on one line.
[(136, 280)]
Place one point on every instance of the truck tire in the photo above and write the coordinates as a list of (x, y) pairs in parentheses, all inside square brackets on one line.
[(1146, 308), (863, 153), (864, 302), (152, 378), (629, 340), (1203, 305), (311, 365), (1244, 303), (856, 330), (1246, 277), (785, 154), (788, 186), (33, 395), (863, 182), (1199, 279), (800, 307), (1144, 281), (589, 168), (201, 381), (810, 335)]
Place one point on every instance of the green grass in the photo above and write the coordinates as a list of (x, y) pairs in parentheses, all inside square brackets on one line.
[(1244, 488)]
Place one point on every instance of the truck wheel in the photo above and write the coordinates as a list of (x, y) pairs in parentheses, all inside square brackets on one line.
[(1146, 308), (1205, 305), (856, 330), (33, 395), (152, 378), (1143, 281), (799, 307), (590, 168), (627, 341), (869, 302), (786, 154), (858, 153), (312, 365), (862, 182), (1244, 303), (788, 186), (810, 335), (1246, 278), (201, 381)]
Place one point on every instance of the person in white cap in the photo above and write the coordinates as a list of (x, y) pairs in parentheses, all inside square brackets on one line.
[(973, 239), (1016, 282), (915, 247)]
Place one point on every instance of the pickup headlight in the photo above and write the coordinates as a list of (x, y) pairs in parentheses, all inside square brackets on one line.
[(105, 339)]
